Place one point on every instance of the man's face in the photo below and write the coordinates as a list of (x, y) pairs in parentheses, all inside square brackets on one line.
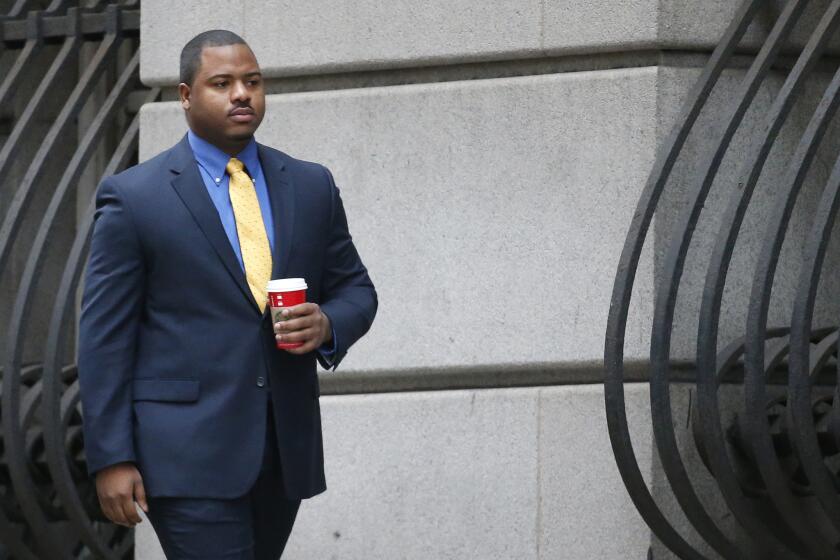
[(226, 101)]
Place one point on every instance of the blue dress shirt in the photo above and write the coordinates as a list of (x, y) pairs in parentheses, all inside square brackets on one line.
[(212, 163)]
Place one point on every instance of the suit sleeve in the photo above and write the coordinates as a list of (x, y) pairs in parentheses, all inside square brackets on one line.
[(112, 303), (348, 297)]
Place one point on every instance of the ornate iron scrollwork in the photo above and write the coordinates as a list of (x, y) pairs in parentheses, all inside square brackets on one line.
[(48, 506), (781, 448)]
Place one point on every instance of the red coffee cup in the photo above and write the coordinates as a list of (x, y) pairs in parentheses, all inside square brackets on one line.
[(283, 293)]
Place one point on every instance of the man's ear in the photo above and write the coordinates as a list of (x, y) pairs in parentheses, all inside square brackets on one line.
[(184, 94)]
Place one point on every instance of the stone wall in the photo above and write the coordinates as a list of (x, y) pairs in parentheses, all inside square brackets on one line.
[(479, 147)]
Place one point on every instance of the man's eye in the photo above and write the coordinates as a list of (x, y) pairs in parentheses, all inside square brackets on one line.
[(253, 82), (220, 84)]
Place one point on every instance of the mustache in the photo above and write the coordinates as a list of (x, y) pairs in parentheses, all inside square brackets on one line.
[(241, 109)]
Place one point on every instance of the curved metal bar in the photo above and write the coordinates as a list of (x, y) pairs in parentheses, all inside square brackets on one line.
[(51, 411), (668, 286), (64, 304), (799, 536), (10, 538), (52, 432), (21, 477), (799, 383), (70, 410), (760, 519), (779, 349), (30, 49), (625, 276), (821, 353), (47, 86), (834, 420), (24, 59), (57, 6), (726, 360), (75, 101), (20, 5), (760, 439), (733, 351), (10, 534), (17, 8), (23, 124)]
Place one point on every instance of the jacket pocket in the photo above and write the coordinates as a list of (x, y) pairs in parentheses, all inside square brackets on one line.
[(165, 389)]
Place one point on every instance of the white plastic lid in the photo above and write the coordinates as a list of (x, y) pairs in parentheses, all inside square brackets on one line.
[(286, 285)]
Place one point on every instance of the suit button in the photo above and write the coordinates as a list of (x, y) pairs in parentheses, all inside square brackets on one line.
[(260, 381)]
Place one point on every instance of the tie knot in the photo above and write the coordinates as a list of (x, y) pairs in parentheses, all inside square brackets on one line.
[(234, 166)]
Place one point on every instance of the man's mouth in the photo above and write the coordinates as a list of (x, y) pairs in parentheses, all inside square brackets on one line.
[(242, 114)]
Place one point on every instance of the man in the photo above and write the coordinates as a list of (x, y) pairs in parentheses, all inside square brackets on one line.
[(189, 407)]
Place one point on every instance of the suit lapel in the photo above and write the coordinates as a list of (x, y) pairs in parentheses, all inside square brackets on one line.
[(282, 197), (190, 187)]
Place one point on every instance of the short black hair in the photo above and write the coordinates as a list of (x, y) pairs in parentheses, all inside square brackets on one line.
[(191, 53)]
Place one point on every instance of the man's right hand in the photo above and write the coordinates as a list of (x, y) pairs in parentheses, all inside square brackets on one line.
[(117, 487)]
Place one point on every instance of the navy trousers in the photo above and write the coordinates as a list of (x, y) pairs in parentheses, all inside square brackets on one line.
[(254, 526)]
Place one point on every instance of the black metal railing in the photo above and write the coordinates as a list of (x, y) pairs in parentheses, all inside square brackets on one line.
[(777, 455), (64, 129)]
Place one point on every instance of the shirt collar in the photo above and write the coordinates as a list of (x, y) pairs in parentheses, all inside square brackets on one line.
[(214, 160)]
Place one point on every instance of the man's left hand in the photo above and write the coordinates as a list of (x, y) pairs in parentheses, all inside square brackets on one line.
[(303, 323)]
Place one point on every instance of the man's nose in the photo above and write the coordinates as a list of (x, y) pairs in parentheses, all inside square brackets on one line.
[(239, 92)]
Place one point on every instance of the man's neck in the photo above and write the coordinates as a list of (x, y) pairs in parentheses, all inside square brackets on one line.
[(230, 149)]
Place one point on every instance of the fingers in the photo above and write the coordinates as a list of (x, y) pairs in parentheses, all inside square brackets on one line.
[(300, 323), (110, 512), (130, 510), (304, 335), (140, 495), (116, 488), (301, 310), (120, 509), (307, 347)]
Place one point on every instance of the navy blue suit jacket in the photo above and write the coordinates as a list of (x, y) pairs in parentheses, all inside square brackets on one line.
[(174, 356)]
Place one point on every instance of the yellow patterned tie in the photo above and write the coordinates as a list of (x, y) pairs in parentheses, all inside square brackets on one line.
[(253, 241)]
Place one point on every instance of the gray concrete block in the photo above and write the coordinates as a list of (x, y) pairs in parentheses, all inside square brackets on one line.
[(294, 38), (165, 27), (503, 473), (466, 193), (425, 475), (404, 482), (585, 511), (560, 161), (522, 476), (571, 26), (325, 36)]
